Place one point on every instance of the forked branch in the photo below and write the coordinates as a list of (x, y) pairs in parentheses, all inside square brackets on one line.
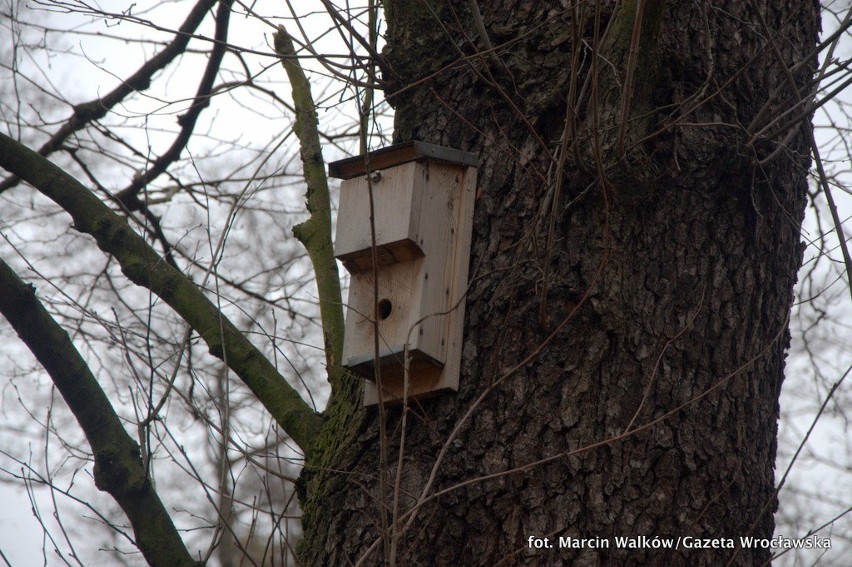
[(143, 266)]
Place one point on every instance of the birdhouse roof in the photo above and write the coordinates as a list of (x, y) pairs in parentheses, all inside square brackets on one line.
[(397, 155)]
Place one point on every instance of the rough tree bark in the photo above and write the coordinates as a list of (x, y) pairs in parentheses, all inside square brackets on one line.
[(660, 223)]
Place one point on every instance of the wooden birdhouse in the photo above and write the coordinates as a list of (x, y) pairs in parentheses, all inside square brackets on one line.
[(422, 204)]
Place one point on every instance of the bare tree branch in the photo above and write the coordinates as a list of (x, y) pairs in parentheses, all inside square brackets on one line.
[(128, 196), (315, 233), (138, 81), (143, 266), (118, 465)]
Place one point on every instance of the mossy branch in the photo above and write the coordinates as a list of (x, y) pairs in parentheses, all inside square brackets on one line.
[(143, 266), (345, 410), (118, 464), (315, 233)]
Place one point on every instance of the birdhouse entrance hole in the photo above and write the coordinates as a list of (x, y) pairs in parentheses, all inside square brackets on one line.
[(385, 308)]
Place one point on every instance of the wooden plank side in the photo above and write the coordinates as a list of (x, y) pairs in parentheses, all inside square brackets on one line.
[(459, 280)]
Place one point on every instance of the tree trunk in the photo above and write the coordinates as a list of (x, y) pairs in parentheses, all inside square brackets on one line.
[(629, 340)]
